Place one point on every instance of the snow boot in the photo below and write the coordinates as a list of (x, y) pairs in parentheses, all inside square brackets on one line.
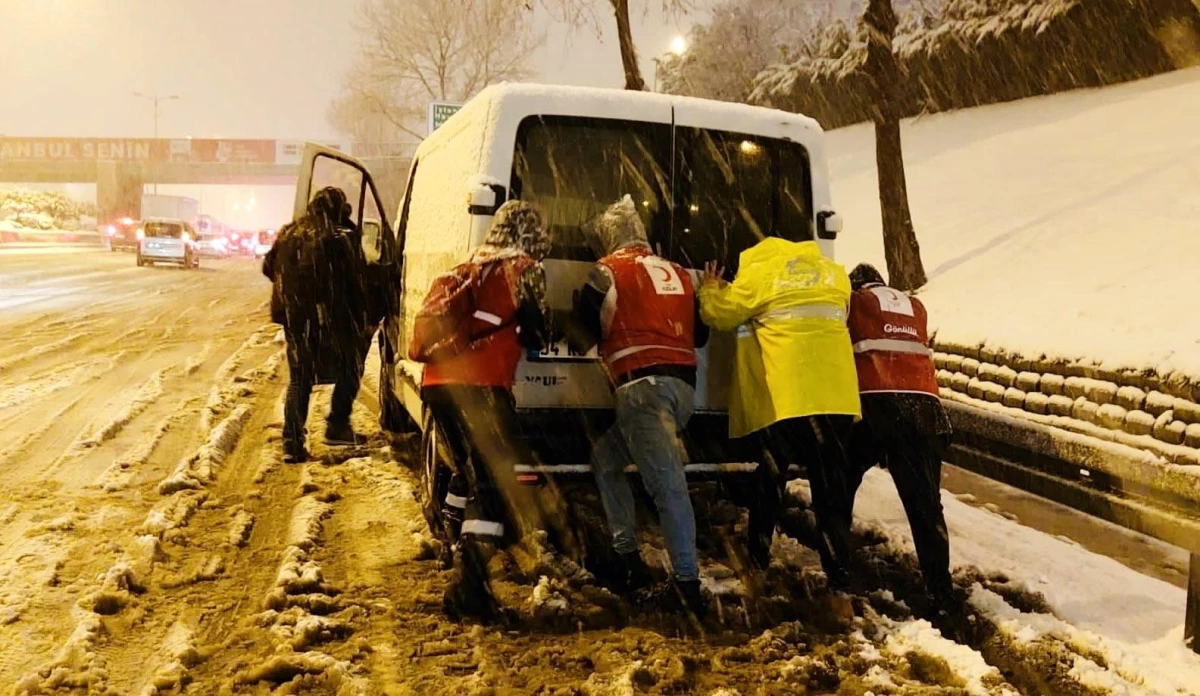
[(342, 435), (469, 595)]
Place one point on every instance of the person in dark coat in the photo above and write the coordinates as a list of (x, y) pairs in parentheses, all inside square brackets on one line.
[(316, 268), (904, 427)]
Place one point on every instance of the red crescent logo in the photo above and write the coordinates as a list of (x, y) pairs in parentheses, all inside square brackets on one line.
[(666, 274)]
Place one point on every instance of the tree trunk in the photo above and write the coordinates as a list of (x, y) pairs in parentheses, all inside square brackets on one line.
[(633, 74), (900, 247)]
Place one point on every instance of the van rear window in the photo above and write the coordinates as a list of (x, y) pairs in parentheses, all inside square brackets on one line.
[(703, 194), (164, 229), (573, 168)]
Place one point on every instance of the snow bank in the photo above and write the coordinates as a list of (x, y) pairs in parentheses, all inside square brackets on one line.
[(1062, 225), (199, 469), (1092, 592)]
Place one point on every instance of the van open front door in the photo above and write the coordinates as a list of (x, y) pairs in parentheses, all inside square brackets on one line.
[(321, 167)]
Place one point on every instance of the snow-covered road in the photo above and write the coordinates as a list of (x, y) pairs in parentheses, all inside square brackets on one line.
[(151, 541)]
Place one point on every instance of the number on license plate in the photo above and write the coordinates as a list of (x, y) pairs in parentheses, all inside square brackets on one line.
[(561, 351)]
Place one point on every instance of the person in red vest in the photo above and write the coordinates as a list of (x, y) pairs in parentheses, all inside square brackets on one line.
[(641, 309), (904, 427), (469, 394)]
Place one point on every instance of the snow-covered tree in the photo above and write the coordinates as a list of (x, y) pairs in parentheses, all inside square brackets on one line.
[(415, 51), (741, 39), (587, 13)]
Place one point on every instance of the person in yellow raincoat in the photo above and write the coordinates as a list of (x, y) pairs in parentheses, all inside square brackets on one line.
[(794, 383)]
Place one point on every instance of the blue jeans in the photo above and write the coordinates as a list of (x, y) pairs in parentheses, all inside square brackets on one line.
[(650, 414)]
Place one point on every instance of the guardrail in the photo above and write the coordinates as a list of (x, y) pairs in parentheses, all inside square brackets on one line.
[(1112, 482)]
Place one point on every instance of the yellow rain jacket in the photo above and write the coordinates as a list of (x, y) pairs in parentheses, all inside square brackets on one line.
[(788, 305)]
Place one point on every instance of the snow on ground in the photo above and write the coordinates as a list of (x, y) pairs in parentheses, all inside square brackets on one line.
[(1134, 620), (1067, 224)]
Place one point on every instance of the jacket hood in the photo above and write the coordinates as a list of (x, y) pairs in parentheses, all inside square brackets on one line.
[(519, 226), (328, 203), (618, 227)]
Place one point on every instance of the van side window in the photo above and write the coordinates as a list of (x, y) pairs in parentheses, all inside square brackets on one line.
[(734, 190), (573, 168)]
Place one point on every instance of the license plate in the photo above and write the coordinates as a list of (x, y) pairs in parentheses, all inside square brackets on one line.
[(561, 351)]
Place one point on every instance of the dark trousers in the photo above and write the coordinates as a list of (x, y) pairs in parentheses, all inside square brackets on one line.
[(914, 459), (479, 425), (299, 391), (820, 445)]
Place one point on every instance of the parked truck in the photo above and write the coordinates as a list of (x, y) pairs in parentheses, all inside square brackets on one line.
[(160, 206)]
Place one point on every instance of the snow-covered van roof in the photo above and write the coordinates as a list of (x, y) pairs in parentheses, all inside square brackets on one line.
[(501, 107)]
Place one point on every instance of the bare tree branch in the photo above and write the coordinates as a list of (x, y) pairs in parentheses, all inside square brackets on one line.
[(415, 51), (587, 13)]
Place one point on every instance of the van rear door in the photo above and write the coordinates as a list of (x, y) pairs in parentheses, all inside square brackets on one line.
[(573, 167), (732, 189)]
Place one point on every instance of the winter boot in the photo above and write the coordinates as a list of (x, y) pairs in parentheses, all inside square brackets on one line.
[(636, 572), (693, 599), (342, 435), (624, 574), (294, 452), (469, 594)]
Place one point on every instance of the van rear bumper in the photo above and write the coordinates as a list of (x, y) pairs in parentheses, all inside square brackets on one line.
[(561, 442)]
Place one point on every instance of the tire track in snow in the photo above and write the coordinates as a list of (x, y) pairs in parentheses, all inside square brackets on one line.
[(51, 348), (147, 395), (119, 474), (301, 611)]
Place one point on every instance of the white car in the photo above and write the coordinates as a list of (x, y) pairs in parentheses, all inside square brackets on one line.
[(213, 246), (162, 240)]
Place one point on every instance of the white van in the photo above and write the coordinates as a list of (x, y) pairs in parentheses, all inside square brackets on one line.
[(710, 179)]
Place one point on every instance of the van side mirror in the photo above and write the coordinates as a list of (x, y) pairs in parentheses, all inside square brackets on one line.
[(829, 224), (486, 199)]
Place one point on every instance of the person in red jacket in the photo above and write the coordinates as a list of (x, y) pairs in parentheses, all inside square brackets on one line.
[(904, 427), (642, 311), (470, 398)]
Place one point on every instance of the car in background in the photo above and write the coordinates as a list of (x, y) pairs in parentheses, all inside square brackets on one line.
[(214, 246), (263, 241), (163, 240), (121, 235)]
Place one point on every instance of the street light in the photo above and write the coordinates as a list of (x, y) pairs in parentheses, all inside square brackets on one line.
[(678, 47), (156, 99)]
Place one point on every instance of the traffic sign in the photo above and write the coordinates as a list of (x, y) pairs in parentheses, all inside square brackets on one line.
[(439, 112)]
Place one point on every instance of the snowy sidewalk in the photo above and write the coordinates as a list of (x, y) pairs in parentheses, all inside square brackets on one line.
[(1133, 621)]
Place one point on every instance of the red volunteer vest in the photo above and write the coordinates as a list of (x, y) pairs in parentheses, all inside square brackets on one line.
[(890, 334), (490, 361), (648, 315)]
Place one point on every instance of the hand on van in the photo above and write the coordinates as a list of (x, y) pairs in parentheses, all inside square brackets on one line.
[(713, 273)]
